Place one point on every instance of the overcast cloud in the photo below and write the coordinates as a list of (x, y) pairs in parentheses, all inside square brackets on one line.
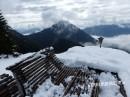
[(79, 12)]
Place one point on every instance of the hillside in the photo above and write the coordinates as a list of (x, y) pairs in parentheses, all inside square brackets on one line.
[(62, 45), (17, 41), (61, 30), (24, 44), (12, 41), (61, 33), (7, 45)]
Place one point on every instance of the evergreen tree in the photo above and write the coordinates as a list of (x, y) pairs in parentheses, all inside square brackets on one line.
[(7, 45)]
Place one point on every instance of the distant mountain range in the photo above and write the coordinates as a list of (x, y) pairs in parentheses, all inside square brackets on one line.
[(28, 31), (64, 31), (61, 36), (108, 30)]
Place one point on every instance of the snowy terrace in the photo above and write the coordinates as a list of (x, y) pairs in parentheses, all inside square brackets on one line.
[(105, 59)]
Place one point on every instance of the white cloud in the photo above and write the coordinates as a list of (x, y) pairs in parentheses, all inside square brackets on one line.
[(118, 42), (80, 12)]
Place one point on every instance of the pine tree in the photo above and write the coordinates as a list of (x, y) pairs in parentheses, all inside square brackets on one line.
[(6, 43)]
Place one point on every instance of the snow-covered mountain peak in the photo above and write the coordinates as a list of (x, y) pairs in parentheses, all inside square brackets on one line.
[(64, 25)]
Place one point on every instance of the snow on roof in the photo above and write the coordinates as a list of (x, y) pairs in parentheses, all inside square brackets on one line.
[(100, 58)]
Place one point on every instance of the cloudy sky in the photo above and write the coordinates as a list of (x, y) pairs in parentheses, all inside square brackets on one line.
[(83, 13)]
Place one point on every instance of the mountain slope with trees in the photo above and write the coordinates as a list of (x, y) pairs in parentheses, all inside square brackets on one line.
[(61, 36), (7, 44), (12, 41), (61, 30)]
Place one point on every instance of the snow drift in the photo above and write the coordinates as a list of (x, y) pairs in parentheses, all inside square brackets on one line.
[(107, 59)]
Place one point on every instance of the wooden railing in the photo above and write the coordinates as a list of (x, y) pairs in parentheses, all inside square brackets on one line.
[(33, 71), (8, 86)]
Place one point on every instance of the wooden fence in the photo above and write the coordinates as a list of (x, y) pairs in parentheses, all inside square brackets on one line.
[(33, 71)]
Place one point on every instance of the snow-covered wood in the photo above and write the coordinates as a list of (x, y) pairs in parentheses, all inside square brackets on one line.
[(75, 80)]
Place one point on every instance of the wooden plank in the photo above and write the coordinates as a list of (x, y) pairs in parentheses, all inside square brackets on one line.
[(35, 77), (32, 65), (21, 65), (57, 63), (40, 73), (39, 82), (71, 83), (96, 89), (31, 88), (35, 71), (20, 85), (39, 66), (6, 80), (65, 74), (58, 77), (4, 86), (53, 69)]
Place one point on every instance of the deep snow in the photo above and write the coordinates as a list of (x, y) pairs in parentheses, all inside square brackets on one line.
[(102, 58), (5, 62), (48, 89)]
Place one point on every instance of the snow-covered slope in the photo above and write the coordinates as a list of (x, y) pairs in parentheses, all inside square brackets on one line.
[(93, 56), (101, 58), (5, 62)]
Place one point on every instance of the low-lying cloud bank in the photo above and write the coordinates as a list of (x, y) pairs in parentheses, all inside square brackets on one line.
[(119, 42)]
